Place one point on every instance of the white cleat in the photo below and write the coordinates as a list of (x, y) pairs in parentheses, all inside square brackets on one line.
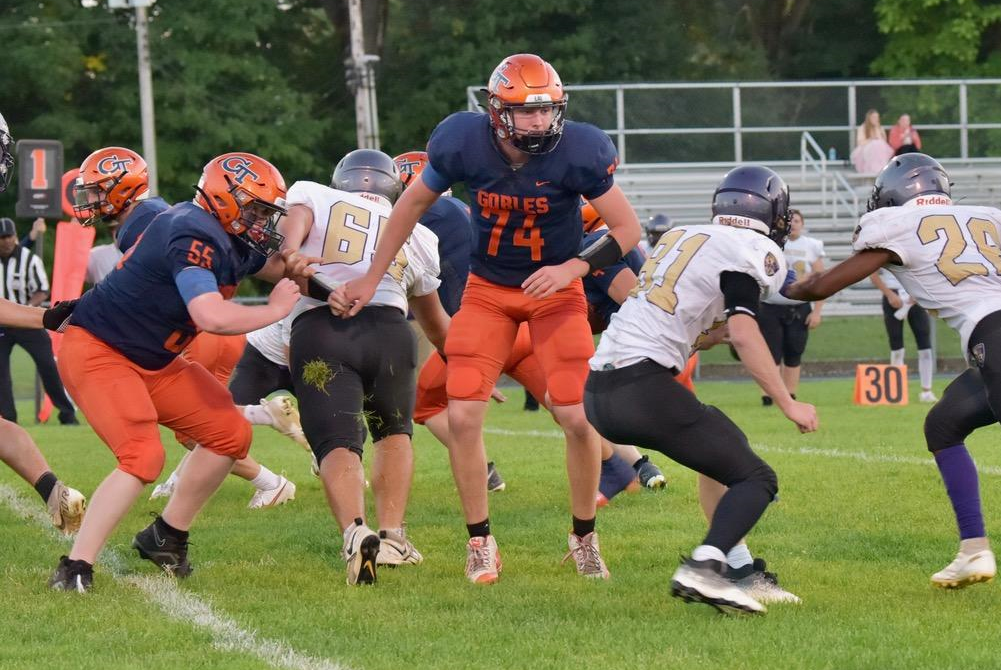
[(927, 396), (164, 489), (703, 582), (361, 549), (66, 508), (587, 556), (396, 549), (279, 495), (285, 418), (763, 586), (965, 570)]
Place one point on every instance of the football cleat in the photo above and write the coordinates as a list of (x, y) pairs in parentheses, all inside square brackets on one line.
[(285, 419), (66, 508), (966, 569), (494, 480), (361, 551), (703, 582), (483, 561), (279, 495), (169, 553), (587, 556), (72, 576), (396, 549), (927, 396), (763, 586), (165, 489), (649, 474)]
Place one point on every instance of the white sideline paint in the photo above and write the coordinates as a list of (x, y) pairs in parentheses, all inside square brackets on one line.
[(177, 604), (863, 456)]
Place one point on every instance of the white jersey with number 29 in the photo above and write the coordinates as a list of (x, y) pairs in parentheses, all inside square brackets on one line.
[(345, 230), (677, 298), (950, 257)]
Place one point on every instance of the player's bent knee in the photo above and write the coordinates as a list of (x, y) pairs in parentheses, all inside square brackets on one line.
[(323, 449), (941, 431), (566, 387), (466, 382), (144, 462)]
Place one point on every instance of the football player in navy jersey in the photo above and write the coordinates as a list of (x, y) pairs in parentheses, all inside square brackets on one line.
[(120, 361), (65, 505), (526, 169)]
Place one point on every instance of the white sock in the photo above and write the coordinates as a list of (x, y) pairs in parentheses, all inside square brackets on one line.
[(739, 556), (266, 480), (896, 357), (176, 474), (704, 552), (257, 415), (924, 368)]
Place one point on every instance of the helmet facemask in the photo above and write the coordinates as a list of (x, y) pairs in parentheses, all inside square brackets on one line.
[(6, 157), (257, 223), (528, 141), (90, 201)]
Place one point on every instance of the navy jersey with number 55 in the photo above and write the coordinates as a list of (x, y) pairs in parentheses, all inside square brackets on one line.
[(523, 218), (138, 308)]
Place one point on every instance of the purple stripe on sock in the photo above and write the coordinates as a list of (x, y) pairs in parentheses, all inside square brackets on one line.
[(960, 477)]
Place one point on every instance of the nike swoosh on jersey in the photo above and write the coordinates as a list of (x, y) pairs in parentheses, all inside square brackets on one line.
[(541, 183)]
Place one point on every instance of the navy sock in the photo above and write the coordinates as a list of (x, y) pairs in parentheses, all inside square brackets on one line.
[(959, 474), (45, 484), (481, 529), (582, 527)]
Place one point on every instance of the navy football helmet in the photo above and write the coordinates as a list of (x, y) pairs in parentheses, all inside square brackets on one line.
[(755, 197), (657, 226), (6, 155), (368, 171), (907, 176)]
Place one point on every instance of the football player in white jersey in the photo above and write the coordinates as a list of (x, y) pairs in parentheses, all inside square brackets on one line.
[(348, 372), (698, 279), (786, 323), (948, 258)]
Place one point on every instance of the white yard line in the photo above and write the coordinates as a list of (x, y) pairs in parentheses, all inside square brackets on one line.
[(178, 604), (862, 456)]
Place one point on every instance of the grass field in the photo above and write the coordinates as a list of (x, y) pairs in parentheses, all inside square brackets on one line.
[(862, 522)]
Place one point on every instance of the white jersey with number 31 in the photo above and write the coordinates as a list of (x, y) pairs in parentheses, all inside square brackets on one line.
[(345, 230), (950, 255), (677, 298)]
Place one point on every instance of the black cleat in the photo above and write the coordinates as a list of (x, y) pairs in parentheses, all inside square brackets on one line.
[(72, 576), (170, 553)]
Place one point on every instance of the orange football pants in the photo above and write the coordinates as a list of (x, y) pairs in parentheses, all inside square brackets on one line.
[(521, 366), (483, 332), (124, 403), (218, 354)]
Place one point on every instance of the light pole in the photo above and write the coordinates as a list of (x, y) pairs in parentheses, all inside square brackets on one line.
[(145, 84)]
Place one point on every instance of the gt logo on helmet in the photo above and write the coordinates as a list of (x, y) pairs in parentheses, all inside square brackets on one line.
[(407, 166), (239, 167), (499, 78), (113, 164)]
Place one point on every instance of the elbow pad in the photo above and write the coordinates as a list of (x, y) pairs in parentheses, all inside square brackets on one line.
[(602, 253)]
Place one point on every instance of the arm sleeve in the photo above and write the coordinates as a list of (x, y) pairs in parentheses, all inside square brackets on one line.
[(741, 294), (195, 281)]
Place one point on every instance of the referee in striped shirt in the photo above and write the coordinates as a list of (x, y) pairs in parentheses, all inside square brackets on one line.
[(23, 280)]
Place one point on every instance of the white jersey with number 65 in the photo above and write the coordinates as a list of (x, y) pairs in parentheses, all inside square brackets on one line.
[(345, 230), (677, 298), (950, 255)]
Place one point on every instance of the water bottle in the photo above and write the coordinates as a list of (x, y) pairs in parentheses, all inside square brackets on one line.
[(832, 155)]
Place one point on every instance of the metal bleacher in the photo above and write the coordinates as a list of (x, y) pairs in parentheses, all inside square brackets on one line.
[(684, 193)]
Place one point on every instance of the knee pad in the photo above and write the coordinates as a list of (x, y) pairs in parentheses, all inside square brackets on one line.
[(236, 444), (143, 461), (767, 475), (941, 430), (567, 373), (324, 448)]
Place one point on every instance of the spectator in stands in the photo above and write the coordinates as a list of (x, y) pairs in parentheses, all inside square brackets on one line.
[(897, 306), (786, 323), (872, 151), (23, 280), (904, 137)]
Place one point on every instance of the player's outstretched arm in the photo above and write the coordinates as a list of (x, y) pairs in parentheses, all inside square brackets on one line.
[(853, 269), (432, 317), (20, 316), (213, 313), (750, 344), (416, 199), (620, 217)]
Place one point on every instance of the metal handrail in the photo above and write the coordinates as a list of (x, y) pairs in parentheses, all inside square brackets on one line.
[(817, 161), (837, 199)]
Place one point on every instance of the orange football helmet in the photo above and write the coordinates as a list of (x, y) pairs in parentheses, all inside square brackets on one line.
[(247, 195), (410, 165), (520, 81), (110, 180), (589, 216)]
